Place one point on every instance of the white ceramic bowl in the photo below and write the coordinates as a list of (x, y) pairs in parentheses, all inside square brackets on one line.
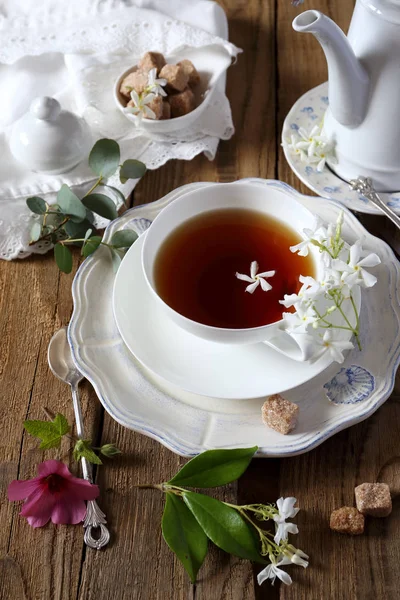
[(210, 61)]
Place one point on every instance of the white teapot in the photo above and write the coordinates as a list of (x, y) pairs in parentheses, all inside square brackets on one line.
[(363, 119)]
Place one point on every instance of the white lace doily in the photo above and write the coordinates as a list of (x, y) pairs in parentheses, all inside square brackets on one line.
[(47, 54)]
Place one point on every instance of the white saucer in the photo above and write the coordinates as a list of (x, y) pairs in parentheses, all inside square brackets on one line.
[(309, 110), (188, 424), (193, 364)]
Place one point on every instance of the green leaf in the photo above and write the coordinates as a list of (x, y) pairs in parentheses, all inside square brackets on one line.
[(36, 205), (77, 230), (49, 432), (104, 157), (124, 238), (91, 245), (223, 525), (184, 535), (83, 449), (117, 192), (35, 232), (63, 257), (70, 204), (110, 450), (131, 169), (101, 205), (214, 467), (54, 220)]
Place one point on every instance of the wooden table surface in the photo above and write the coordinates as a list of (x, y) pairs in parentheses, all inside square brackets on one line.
[(277, 66)]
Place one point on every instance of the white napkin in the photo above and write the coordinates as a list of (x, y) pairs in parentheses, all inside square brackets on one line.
[(49, 49)]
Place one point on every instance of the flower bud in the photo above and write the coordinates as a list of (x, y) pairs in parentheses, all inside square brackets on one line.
[(296, 556), (109, 450)]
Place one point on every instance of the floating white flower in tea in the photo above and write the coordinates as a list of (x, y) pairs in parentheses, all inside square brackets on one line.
[(256, 279)]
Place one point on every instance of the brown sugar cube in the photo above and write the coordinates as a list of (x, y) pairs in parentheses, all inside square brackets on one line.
[(191, 71), (373, 499), (152, 60), (156, 105), (176, 77), (347, 520), (280, 414), (181, 104), (166, 112), (134, 81)]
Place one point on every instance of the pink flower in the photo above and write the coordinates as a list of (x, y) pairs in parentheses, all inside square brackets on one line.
[(55, 494)]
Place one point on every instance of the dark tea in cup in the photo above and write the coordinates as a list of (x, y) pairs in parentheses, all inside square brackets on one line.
[(196, 265)]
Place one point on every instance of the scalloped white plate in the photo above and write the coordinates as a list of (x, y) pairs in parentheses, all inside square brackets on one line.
[(306, 112), (188, 424)]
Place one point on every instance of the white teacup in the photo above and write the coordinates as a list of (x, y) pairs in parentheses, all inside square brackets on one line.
[(248, 195)]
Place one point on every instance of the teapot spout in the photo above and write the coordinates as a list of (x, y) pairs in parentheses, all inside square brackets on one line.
[(348, 80)]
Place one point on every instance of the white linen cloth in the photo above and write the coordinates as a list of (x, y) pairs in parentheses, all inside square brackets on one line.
[(74, 51)]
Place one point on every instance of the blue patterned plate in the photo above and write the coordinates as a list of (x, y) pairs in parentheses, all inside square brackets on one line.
[(309, 110), (340, 396)]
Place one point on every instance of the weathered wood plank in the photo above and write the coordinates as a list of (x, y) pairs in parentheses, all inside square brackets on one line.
[(146, 569), (35, 300), (324, 479)]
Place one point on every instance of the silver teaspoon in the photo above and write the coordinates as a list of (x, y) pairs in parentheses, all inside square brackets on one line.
[(62, 366), (365, 187)]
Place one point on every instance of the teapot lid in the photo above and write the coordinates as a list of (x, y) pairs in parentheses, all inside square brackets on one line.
[(49, 139), (387, 9)]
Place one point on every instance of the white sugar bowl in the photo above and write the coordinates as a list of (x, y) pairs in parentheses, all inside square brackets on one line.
[(48, 139)]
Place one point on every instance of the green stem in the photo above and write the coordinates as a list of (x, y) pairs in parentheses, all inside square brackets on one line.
[(94, 186), (43, 237), (332, 326), (150, 486), (357, 322)]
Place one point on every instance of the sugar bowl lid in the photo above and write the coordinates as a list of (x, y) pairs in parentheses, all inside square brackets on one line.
[(48, 139)]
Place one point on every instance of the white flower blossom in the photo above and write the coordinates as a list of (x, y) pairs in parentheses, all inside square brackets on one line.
[(273, 571), (293, 146), (256, 279), (141, 108), (353, 271), (154, 85), (286, 511), (313, 147), (334, 347), (299, 321), (296, 299), (317, 233)]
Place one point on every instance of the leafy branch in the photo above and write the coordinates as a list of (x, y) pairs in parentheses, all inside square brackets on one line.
[(51, 432), (70, 220), (191, 519)]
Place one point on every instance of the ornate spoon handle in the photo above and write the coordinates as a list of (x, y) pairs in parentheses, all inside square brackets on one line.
[(365, 187), (94, 518)]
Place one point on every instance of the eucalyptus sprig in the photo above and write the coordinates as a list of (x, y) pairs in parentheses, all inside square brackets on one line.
[(190, 519), (70, 220), (51, 432)]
